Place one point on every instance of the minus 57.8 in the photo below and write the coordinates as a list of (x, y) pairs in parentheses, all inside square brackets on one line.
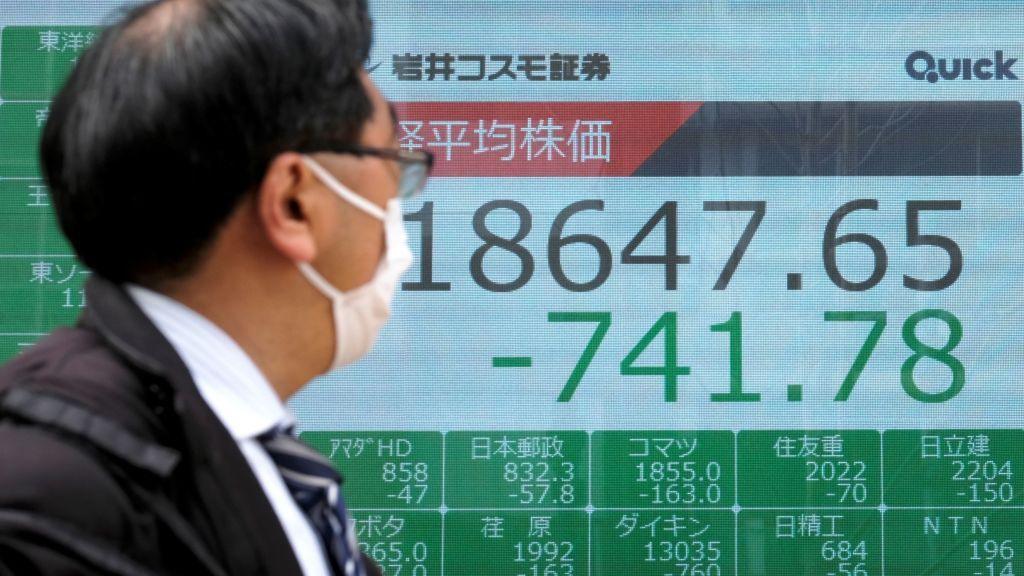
[(671, 368)]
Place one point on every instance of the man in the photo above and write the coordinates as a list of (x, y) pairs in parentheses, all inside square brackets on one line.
[(231, 176)]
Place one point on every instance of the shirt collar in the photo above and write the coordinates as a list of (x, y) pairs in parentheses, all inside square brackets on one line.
[(227, 378)]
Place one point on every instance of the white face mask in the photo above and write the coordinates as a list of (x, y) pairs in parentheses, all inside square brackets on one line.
[(360, 313)]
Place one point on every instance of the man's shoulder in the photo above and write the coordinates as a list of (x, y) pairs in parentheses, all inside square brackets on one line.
[(61, 507), (52, 471), (67, 354), (45, 474), (77, 365), (43, 468)]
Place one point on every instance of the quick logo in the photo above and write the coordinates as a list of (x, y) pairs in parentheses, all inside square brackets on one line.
[(921, 65)]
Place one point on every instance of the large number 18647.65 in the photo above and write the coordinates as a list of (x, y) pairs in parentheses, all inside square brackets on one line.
[(668, 255)]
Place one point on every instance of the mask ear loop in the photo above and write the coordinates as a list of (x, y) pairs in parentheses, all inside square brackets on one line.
[(320, 283), (340, 189)]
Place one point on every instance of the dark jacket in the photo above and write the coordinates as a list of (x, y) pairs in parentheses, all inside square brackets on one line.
[(135, 474)]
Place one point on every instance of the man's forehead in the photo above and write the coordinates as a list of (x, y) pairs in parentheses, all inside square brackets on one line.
[(393, 113), (376, 98)]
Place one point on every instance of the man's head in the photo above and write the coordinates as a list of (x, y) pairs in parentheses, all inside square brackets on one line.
[(176, 113), (176, 159)]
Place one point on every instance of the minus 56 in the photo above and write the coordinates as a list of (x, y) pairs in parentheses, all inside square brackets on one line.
[(671, 369)]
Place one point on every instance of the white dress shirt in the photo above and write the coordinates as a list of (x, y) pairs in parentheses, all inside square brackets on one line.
[(244, 401)]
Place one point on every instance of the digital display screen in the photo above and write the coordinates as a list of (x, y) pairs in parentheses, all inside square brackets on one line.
[(700, 289)]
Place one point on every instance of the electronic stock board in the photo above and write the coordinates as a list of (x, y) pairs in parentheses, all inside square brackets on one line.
[(701, 288)]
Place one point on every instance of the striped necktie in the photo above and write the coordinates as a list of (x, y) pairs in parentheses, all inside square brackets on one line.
[(315, 485)]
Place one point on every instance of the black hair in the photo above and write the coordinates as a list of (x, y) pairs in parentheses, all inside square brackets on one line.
[(175, 112)]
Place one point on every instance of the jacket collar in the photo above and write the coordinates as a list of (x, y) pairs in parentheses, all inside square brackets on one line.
[(247, 528), (118, 319)]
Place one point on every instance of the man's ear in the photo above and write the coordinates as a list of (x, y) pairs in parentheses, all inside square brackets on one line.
[(285, 201)]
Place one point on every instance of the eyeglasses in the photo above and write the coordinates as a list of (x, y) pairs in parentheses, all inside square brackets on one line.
[(414, 165)]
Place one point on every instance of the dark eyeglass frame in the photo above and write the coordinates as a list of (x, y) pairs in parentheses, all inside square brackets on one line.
[(415, 165)]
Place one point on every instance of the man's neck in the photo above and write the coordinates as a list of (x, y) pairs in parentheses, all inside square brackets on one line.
[(267, 329)]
